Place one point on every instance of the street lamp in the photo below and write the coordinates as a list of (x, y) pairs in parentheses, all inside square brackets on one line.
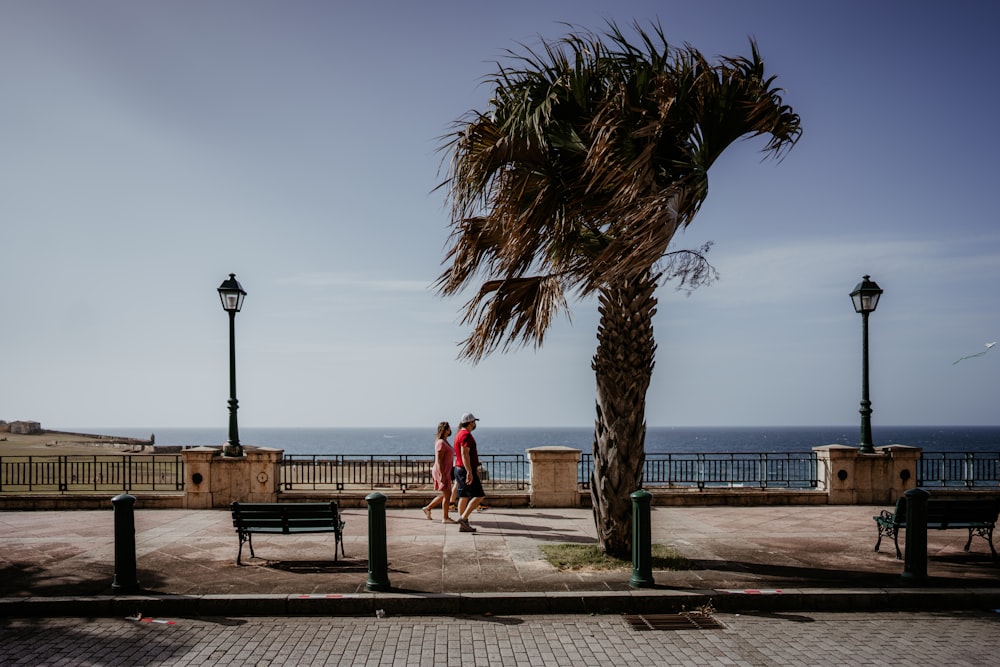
[(865, 297), (232, 294)]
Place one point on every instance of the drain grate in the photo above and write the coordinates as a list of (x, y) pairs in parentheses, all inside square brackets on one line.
[(644, 622)]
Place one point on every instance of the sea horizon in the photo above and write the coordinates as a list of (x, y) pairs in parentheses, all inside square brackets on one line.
[(375, 440)]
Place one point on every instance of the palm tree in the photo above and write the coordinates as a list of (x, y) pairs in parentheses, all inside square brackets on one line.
[(591, 155)]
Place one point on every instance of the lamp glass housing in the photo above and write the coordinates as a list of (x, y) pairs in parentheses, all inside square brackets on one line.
[(232, 294), (865, 296)]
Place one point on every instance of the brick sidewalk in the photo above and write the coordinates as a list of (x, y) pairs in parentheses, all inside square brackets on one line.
[(756, 639)]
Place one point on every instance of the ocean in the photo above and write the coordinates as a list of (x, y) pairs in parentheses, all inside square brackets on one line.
[(510, 440)]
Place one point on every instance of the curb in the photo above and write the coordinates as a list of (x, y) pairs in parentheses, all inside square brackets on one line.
[(445, 604)]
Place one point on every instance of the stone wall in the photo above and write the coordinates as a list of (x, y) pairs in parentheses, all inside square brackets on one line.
[(849, 477), (215, 481), (20, 427), (553, 476)]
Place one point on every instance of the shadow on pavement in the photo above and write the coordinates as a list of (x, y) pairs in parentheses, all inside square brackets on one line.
[(21, 579), (313, 566), (791, 575), (536, 532)]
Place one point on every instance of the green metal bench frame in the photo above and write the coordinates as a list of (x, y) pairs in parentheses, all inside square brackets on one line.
[(287, 519), (978, 515)]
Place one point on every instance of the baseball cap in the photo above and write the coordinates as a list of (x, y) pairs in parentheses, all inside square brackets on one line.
[(468, 417)]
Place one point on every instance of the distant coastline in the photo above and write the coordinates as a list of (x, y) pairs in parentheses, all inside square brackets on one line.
[(67, 438), (108, 438), (59, 443)]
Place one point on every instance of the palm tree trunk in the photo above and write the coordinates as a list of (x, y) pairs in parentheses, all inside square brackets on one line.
[(623, 366)]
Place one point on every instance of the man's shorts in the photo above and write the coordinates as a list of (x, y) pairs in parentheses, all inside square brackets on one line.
[(473, 490)]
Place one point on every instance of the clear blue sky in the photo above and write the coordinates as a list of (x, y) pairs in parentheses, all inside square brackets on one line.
[(151, 148)]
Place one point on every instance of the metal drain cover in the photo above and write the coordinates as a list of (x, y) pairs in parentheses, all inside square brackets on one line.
[(672, 621)]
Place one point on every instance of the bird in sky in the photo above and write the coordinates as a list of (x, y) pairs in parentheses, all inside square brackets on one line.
[(989, 346)]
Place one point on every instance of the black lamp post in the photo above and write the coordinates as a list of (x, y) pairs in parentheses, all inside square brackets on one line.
[(865, 297), (232, 294)]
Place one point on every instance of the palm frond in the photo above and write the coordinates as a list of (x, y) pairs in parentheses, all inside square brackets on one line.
[(511, 312), (594, 151)]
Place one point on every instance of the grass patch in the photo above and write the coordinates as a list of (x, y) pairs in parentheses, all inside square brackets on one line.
[(590, 558)]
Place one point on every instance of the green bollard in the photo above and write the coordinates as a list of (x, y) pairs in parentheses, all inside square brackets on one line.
[(125, 580), (642, 548), (915, 549), (378, 559)]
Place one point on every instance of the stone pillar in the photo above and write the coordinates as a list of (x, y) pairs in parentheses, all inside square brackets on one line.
[(902, 469), (215, 481), (198, 477), (265, 467), (852, 478), (836, 472), (554, 476)]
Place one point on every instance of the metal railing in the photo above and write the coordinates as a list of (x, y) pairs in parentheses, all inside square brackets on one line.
[(126, 472), (784, 470), (958, 469), (80, 473), (499, 472)]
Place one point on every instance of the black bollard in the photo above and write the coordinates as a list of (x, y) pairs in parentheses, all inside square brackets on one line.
[(378, 558), (125, 577), (915, 554), (642, 547)]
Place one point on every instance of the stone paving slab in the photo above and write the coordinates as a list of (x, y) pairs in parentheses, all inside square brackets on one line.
[(742, 556)]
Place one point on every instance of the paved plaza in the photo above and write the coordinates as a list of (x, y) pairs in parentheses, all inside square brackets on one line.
[(188, 555)]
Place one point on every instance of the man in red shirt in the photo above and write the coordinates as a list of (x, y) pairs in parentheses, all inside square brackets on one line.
[(470, 487)]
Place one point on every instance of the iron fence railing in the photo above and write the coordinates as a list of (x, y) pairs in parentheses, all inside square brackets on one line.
[(126, 472), (102, 472), (316, 472), (958, 469), (783, 470)]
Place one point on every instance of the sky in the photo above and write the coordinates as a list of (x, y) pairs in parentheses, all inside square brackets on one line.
[(152, 148)]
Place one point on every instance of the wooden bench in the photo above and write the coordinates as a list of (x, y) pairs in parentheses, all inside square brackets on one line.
[(287, 519), (977, 515)]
